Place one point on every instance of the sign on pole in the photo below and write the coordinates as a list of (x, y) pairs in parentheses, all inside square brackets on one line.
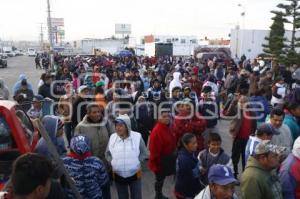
[(59, 22), (123, 29)]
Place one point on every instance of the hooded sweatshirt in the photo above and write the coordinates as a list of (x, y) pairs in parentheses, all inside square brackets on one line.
[(175, 82), (126, 154), (50, 123), (290, 174), (4, 93), (17, 86), (259, 183), (88, 172)]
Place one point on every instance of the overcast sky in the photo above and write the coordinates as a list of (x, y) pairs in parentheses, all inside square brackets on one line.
[(19, 19)]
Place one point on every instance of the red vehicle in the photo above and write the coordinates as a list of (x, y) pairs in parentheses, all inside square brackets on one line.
[(17, 136)]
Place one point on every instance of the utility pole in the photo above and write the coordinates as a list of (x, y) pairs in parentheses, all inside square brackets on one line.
[(49, 26), (42, 38), (50, 35)]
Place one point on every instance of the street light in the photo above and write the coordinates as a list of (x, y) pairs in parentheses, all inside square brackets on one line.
[(243, 13)]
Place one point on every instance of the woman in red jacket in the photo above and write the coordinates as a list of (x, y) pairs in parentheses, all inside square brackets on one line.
[(162, 147), (189, 122)]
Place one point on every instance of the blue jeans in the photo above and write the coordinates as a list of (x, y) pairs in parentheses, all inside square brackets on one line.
[(135, 188)]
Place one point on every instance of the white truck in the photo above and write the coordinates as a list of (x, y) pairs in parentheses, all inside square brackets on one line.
[(9, 51), (31, 52)]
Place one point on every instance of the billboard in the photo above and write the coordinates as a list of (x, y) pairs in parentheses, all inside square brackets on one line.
[(59, 22), (58, 29), (163, 49), (123, 28)]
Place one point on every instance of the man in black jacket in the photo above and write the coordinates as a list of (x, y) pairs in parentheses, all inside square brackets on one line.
[(80, 104), (45, 89)]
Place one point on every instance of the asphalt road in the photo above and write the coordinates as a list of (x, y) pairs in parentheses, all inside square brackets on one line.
[(25, 65), (17, 66)]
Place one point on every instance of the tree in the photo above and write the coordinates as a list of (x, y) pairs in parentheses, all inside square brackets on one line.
[(275, 46), (292, 16)]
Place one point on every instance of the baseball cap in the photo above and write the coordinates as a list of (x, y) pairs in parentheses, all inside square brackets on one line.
[(37, 98), (81, 88), (100, 83), (266, 146), (268, 129), (221, 175)]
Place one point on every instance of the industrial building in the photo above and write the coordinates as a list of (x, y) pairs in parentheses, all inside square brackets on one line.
[(182, 45), (249, 42)]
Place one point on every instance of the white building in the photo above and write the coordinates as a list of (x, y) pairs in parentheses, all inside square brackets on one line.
[(249, 42), (106, 45), (182, 45)]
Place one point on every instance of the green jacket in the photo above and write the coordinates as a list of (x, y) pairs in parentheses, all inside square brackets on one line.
[(259, 183)]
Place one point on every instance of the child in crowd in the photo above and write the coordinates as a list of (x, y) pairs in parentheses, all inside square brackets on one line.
[(214, 154), (35, 112), (187, 169)]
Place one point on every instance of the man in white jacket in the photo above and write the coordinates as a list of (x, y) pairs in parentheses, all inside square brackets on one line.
[(221, 184)]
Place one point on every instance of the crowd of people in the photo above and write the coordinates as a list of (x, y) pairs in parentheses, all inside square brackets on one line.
[(108, 115)]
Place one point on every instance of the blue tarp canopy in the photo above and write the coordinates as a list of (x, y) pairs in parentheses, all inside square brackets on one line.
[(124, 53)]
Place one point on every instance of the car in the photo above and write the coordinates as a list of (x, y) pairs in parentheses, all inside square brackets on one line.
[(10, 53), (3, 62), (31, 52), (18, 136), (22, 52), (3, 55), (18, 52)]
